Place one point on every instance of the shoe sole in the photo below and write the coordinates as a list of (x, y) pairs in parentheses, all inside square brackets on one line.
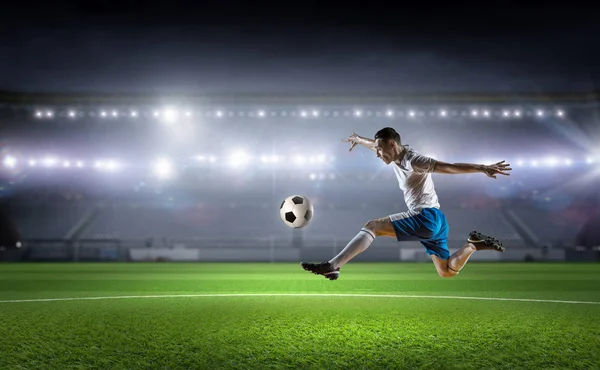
[(333, 275), (496, 244)]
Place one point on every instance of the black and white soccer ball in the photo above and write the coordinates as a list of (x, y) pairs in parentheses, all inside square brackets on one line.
[(296, 211)]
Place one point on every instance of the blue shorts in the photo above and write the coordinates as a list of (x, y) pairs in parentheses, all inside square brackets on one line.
[(428, 225)]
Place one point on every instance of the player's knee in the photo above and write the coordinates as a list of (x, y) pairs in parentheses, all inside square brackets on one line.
[(446, 274), (373, 225)]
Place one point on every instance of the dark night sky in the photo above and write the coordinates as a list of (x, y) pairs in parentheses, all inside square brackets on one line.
[(298, 47)]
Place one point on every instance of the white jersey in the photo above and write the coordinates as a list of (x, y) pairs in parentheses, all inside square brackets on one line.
[(414, 177)]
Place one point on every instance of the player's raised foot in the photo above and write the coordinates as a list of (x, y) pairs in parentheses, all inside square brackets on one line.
[(324, 268), (484, 242)]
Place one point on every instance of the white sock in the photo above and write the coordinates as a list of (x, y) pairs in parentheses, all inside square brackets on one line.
[(358, 244)]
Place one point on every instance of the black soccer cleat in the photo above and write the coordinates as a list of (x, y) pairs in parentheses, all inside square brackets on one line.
[(324, 268), (483, 242)]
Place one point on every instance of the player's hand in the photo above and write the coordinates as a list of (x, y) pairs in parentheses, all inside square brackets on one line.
[(499, 168), (353, 139)]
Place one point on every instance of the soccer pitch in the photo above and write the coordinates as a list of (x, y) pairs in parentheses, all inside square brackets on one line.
[(278, 316)]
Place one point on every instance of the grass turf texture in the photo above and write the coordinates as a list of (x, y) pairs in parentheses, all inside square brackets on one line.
[(298, 332)]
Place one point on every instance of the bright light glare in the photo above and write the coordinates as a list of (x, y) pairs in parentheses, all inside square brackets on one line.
[(239, 158), (551, 161), (10, 162), (163, 168), (170, 115), (49, 162), (112, 165), (299, 159)]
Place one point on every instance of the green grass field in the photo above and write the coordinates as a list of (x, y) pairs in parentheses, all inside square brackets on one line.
[(298, 331)]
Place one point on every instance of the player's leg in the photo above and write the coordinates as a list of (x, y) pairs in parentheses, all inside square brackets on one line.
[(476, 242), (451, 266), (365, 237), (362, 241)]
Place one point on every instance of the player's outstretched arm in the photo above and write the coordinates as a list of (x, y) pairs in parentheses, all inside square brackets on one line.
[(492, 170), (355, 139)]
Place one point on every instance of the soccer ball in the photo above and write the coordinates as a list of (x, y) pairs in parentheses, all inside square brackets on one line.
[(296, 211)]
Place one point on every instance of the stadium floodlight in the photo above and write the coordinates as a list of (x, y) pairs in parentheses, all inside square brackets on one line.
[(303, 114), (520, 163), (170, 115), (560, 113), (474, 113), (411, 113), (10, 161), (115, 113), (156, 113), (274, 159), (389, 113), (506, 113), (299, 159), (49, 114), (589, 160), (264, 159), (188, 114), (486, 113), (71, 113), (534, 163), (38, 114), (219, 114), (80, 164), (261, 113), (358, 113), (32, 162), (551, 161), (321, 158), (66, 164), (443, 113), (568, 162), (212, 159), (313, 176), (112, 165), (49, 161), (517, 113), (103, 114), (163, 168), (540, 113), (99, 164), (134, 114), (315, 113), (239, 158)]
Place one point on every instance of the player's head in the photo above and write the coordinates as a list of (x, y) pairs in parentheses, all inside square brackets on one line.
[(387, 144)]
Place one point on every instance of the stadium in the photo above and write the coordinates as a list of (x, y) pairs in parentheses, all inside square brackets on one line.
[(142, 230)]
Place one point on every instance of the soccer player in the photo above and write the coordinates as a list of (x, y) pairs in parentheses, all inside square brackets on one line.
[(424, 220)]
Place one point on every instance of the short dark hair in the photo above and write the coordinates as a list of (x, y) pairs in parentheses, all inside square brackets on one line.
[(388, 133)]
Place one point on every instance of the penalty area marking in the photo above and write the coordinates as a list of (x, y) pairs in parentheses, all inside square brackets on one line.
[(299, 295)]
